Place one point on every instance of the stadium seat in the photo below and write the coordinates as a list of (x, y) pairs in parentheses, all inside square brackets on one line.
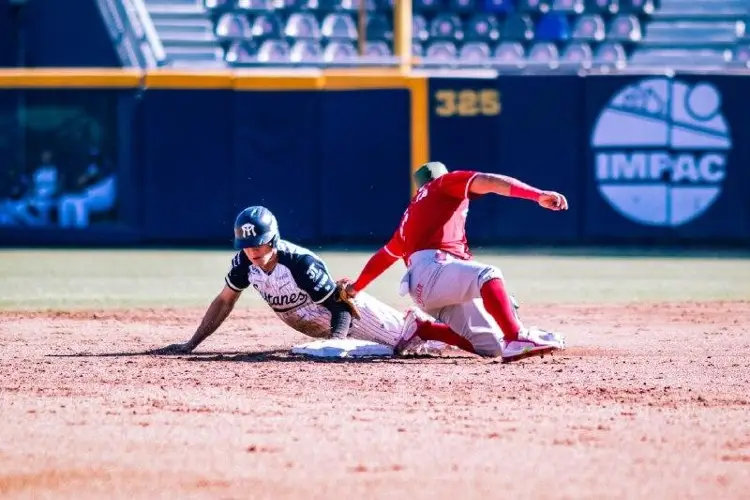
[(553, 27), (578, 53), (302, 25), (443, 51), (306, 51), (254, 6), (273, 51), (426, 6), (569, 6), (266, 26), (544, 53), (338, 26), (353, 5), (419, 28), (742, 56), (602, 7), (287, 5), (241, 51), (417, 49), (482, 28), (474, 52), (518, 28), (463, 6), (339, 51), (509, 53), (590, 28), (499, 6), (446, 27), (232, 26), (610, 54), (533, 6), (377, 49), (638, 7), (624, 28)]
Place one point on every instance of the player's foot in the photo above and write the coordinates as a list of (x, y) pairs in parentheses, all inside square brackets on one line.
[(532, 342), (410, 341)]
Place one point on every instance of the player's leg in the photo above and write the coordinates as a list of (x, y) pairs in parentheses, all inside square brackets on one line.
[(421, 327), (379, 322), (472, 321)]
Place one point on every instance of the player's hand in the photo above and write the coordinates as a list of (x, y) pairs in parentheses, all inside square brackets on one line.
[(348, 286), (185, 348), (553, 201)]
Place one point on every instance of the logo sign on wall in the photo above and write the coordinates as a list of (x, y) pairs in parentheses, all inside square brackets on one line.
[(660, 151)]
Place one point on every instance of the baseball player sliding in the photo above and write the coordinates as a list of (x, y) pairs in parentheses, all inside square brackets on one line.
[(444, 280), (298, 287)]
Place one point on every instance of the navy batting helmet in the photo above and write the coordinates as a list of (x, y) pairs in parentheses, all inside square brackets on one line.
[(255, 226)]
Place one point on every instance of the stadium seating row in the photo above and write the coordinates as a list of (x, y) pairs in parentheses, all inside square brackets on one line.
[(443, 27)]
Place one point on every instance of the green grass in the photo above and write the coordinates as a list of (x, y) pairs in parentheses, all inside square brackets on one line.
[(67, 279)]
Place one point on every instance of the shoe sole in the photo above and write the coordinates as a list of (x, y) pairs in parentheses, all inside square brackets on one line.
[(542, 352)]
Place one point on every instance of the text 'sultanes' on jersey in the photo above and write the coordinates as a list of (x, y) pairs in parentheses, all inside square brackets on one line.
[(294, 289), (436, 218)]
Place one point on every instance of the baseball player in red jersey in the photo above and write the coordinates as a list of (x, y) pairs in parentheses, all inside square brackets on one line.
[(442, 278)]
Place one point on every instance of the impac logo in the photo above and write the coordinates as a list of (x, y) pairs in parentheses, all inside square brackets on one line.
[(660, 151)]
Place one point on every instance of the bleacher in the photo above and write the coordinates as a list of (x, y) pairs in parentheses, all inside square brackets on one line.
[(507, 34)]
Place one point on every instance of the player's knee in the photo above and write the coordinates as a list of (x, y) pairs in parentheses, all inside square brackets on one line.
[(487, 274)]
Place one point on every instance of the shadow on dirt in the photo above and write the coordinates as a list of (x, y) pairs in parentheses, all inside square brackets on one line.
[(269, 356)]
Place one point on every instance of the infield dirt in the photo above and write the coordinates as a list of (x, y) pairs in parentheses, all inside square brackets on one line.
[(650, 400)]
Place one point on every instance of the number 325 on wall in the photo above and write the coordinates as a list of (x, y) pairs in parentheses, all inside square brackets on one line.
[(465, 103)]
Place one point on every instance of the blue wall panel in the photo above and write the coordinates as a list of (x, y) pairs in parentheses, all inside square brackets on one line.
[(186, 159), (277, 141), (364, 173)]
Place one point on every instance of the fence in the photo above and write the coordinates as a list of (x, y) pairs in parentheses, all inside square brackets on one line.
[(167, 157)]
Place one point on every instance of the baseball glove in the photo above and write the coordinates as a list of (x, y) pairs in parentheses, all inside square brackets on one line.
[(342, 296)]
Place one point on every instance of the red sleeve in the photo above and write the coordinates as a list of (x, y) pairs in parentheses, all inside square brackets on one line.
[(456, 183), (378, 263)]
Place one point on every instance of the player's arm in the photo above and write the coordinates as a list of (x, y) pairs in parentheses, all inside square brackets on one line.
[(312, 276), (486, 183), (219, 309), (377, 265)]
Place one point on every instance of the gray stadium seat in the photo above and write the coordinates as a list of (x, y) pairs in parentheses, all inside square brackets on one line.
[(353, 5), (474, 52), (253, 6), (742, 55), (240, 52), (446, 27), (625, 28), (610, 54), (509, 53), (266, 26), (340, 52), (482, 28), (545, 53), (417, 49), (590, 28), (306, 51), (339, 26), (218, 5), (569, 6), (426, 5), (303, 26), (377, 49), (463, 6), (232, 26), (419, 28), (273, 51), (638, 7), (442, 51), (578, 53)]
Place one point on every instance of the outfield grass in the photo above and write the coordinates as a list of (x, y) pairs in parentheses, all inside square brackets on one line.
[(67, 279)]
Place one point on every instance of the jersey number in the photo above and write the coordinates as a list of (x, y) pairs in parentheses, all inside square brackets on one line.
[(421, 195)]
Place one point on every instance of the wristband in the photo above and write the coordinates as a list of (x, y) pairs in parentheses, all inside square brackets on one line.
[(525, 192)]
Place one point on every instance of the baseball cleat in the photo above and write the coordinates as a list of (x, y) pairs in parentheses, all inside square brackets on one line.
[(410, 341), (532, 342)]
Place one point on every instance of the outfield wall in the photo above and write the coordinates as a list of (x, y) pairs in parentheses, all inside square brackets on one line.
[(642, 158)]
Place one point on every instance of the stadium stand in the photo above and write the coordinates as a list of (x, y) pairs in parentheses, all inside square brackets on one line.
[(485, 33)]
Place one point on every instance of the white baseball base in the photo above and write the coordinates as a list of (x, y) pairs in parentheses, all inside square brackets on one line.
[(342, 348)]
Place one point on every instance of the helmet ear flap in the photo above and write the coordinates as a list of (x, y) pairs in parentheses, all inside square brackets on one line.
[(275, 240)]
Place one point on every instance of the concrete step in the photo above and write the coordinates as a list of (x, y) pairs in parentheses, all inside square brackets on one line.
[(173, 3), (184, 28)]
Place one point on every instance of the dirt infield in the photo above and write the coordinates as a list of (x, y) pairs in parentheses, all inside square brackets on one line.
[(648, 401)]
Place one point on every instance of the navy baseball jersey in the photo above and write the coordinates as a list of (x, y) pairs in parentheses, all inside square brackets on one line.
[(299, 284)]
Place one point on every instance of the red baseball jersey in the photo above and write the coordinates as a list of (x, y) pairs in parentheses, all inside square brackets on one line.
[(436, 218)]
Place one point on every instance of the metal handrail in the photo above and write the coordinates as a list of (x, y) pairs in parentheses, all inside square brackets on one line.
[(151, 36)]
